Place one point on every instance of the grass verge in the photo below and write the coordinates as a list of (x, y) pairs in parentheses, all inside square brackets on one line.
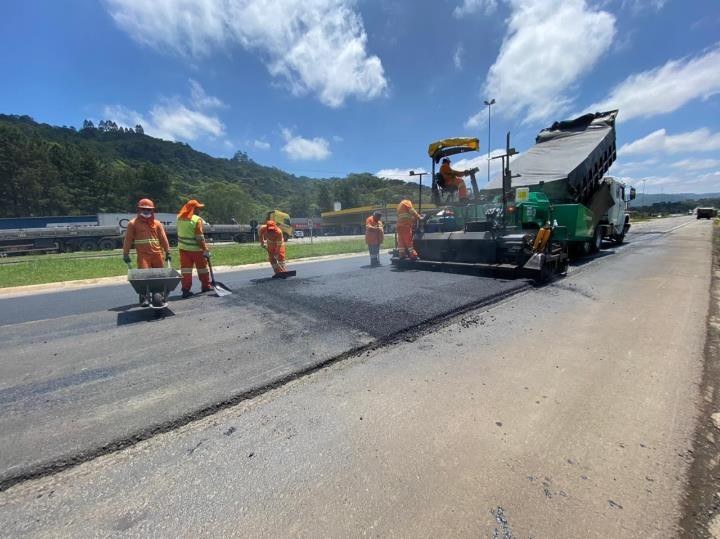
[(58, 268)]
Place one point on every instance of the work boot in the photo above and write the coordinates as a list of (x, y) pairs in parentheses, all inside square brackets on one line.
[(187, 294), (144, 302)]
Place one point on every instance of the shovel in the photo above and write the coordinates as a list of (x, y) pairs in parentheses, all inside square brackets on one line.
[(220, 289)]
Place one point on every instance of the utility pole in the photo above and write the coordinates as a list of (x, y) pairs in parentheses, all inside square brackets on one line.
[(489, 104), (645, 210), (421, 174)]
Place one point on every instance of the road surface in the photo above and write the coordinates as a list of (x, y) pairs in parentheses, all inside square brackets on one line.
[(91, 371), (564, 411)]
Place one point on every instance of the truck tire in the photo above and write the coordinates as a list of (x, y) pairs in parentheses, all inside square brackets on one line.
[(88, 245), (596, 242), (106, 244), (619, 238)]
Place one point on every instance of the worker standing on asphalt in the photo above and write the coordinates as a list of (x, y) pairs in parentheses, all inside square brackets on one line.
[(454, 178), (407, 219), (147, 236), (193, 249), (271, 239), (374, 235)]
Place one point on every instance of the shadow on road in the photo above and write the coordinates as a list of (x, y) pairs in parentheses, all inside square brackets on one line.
[(141, 315)]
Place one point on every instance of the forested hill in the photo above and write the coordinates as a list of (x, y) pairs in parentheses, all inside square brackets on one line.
[(49, 170)]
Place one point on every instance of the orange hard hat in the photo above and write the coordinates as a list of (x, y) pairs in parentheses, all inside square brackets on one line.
[(145, 204), (194, 203)]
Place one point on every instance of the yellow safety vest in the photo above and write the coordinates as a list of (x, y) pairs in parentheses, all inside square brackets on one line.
[(187, 239)]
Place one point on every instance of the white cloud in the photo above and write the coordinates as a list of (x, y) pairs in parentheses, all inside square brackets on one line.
[(700, 140), (171, 119), (316, 46), (458, 56), (666, 88), (200, 99), (549, 46), (403, 174), (299, 148), (677, 183), (470, 7), (637, 6), (696, 164), (260, 145)]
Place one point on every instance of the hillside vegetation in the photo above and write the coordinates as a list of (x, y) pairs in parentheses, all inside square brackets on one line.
[(49, 170)]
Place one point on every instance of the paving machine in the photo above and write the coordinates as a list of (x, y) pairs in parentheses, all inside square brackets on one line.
[(555, 198)]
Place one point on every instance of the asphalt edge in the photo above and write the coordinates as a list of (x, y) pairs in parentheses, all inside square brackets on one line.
[(58, 465), (701, 500)]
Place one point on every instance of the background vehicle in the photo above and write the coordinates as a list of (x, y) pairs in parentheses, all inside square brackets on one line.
[(282, 220), (706, 213), (299, 234), (103, 231)]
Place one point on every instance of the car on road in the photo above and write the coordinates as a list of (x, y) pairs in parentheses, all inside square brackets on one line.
[(299, 234)]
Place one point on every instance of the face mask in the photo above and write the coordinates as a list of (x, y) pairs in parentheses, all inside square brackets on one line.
[(146, 214)]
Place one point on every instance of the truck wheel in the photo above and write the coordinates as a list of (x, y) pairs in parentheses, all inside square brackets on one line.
[(596, 242), (88, 245), (619, 238), (106, 244)]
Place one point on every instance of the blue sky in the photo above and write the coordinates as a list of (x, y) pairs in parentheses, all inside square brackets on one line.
[(327, 87)]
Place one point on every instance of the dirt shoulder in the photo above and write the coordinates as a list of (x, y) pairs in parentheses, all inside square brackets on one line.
[(701, 518)]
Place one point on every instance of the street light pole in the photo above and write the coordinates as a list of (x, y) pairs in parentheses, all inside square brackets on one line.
[(421, 174), (644, 195), (489, 104)]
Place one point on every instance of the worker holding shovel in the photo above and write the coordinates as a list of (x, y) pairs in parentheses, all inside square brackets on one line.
[(193, 249), (271, 239)]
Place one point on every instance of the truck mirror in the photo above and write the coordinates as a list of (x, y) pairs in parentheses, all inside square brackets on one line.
[(633, 193)]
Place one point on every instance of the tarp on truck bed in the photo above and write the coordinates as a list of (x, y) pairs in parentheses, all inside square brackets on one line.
[(569, 157)]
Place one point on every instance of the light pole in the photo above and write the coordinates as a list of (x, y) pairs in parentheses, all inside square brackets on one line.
[(421, 174), (644, 195), (489, 104)]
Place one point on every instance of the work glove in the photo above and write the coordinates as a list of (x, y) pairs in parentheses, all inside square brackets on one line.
[(126, 259), (168, 258), (206, 254)]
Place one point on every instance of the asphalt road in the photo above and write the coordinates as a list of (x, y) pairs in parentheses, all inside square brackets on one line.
[(566, 411), (84, 370)]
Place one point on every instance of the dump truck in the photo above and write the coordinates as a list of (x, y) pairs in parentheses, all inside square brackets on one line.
[(551, 201)]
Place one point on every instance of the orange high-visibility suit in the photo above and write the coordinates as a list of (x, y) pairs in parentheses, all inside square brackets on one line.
[(191, 241), (454, 178), (271, 237), (148, 237), (374, 235), (407, 217)]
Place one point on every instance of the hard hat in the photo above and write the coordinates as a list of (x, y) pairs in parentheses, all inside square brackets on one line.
[(377, 212), (195, 204), (145, 204)]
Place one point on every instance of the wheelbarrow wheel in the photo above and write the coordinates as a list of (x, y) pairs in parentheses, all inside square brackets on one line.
[(157, 299)]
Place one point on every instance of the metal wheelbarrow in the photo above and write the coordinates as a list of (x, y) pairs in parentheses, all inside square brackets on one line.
[(154, 284)]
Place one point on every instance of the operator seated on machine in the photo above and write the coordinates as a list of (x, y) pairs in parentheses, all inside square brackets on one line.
[(454, 178)]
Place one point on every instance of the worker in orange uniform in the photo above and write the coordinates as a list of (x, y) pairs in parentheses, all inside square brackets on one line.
[(374, 235), (407, 219), (454, 178), (193, 249), (147, 236), (271, 239)]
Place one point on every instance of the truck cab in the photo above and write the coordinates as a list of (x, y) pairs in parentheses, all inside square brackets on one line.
[(615, 222)]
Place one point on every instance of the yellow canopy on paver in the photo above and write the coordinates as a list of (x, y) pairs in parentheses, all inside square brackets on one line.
[(451, 146)]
